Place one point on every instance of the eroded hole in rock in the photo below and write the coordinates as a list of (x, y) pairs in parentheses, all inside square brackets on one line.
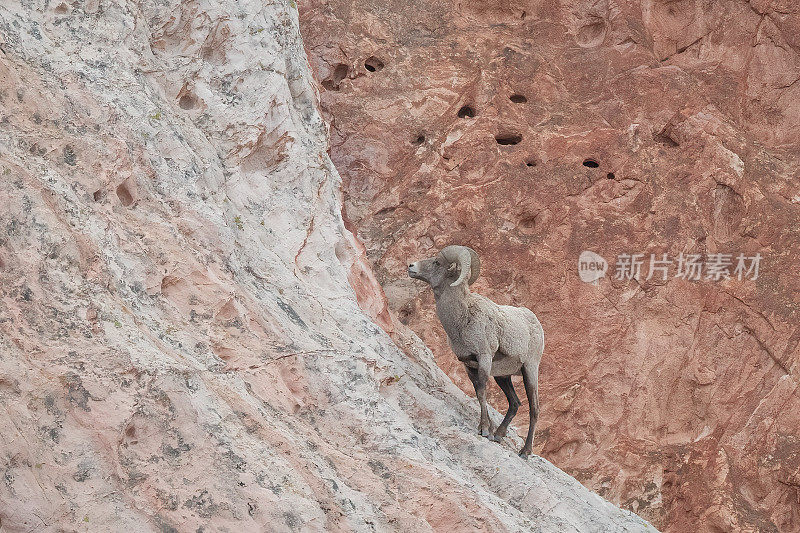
[(386, 210), (419, 140), (61, 9), (373, 64), (508, 139), (528, 222), (530, 163), (130, 436), (592, 34), (98, 195), (339, 73), (610, 175), (2, 264), (517, 98), (466, 112), (665, 138), (8, 385), (167, 282), (404, 314), (186, 101), (591, 163), (124, 195)]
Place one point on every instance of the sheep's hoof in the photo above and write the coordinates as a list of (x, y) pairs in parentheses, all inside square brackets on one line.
[(498, 435), (486, 433), (494, 438), (523, 453)]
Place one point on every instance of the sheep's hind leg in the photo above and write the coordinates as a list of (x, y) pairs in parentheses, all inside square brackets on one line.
[(530, 377), (513, 404)]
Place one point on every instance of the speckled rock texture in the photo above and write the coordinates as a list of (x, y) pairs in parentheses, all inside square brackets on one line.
[(189, 335), (535, 130)]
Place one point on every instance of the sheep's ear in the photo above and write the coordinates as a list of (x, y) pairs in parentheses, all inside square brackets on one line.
[(452, 267)]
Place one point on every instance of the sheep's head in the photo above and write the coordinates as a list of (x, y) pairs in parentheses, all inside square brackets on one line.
[(453, 265)]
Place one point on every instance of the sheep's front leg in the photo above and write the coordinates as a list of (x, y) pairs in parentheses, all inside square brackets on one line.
[(480, 378)]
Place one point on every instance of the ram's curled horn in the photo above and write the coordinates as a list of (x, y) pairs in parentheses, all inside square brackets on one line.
[(469, 265)]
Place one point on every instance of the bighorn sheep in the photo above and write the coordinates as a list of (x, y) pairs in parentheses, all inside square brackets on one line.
[(490, 339)]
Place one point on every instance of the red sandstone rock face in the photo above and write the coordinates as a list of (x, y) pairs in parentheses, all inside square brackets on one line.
[(460, 123)]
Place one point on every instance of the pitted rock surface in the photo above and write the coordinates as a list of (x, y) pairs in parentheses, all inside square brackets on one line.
[(534, 131)]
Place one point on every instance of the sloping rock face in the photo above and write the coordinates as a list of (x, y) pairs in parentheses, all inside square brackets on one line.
[(181, 342), (538, 130)]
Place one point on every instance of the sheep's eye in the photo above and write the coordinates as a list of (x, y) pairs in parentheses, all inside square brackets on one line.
[(436, 263)]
